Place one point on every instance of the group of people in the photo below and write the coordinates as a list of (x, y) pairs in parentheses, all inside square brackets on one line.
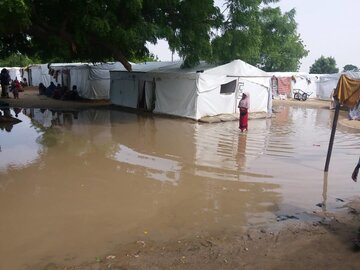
[(8, 85), (59, 92)]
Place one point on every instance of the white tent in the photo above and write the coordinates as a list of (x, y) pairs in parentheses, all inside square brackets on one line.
[(16, 72), (328, 83), (39, 73), (92, 80), (300, 80), (206, 90)]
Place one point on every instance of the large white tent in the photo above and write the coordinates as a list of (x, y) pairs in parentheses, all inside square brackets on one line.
[(206, 90), (92, 80)]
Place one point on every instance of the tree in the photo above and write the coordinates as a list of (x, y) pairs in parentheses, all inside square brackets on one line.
[(17, 60), (350, 67), (107, 30), (102, 30), (281, 47), (324, 65), (260, 35)]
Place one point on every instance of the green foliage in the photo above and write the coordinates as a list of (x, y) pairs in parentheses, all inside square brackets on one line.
[(350, 67), (260, 35), (241, 38), (324, 65), (282, 47), (16, 60), (147, 58), (108, 30)]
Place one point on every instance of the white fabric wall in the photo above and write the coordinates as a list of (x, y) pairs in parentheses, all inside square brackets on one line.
[(259, 96), (92, 80), (176, 97), (79, 77), (40, 74), (326, 84), (303, 84), (124, 91), (210, 102), (35, 73)]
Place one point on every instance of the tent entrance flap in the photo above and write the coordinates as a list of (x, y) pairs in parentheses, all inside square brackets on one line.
[(146, 95)]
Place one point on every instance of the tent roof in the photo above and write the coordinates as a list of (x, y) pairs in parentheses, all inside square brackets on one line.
[(169, 67), (236, 68), (105, 66)]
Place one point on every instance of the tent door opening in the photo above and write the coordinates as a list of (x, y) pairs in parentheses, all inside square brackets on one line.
[(146, 95)]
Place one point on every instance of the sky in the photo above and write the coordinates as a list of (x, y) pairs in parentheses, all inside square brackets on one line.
[(327, 27)]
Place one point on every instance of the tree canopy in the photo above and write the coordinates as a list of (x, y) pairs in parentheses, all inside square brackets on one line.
[(350, 67), (260, 35), (324, 65), (105, 30)]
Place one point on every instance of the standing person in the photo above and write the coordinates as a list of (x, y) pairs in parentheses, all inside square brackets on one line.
[(5, 81), (16, 89), (42, 89), (356, 171), (244, 106)]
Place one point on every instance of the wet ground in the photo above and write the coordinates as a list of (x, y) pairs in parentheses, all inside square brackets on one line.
[(74, 185)]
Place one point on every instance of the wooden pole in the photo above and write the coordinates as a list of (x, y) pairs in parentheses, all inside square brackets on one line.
[(332, 136)]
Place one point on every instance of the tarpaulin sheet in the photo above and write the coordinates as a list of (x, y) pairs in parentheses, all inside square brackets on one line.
[(348, 91), (284, 85)]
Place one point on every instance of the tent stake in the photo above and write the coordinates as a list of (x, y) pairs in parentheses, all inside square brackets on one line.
[(332, 136)]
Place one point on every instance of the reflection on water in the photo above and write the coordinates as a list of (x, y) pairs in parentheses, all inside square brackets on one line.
[(75, 184), (157, 168)]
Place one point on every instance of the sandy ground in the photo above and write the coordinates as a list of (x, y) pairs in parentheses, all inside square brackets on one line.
[(30, 99), (329, 242)]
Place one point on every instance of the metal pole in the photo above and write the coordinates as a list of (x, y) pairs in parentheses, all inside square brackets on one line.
[(332, 136)]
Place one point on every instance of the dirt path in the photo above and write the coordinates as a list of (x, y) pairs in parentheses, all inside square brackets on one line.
[(325, 244), (31, 99)]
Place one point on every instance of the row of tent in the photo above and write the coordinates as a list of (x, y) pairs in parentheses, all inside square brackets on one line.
[(164, 87)]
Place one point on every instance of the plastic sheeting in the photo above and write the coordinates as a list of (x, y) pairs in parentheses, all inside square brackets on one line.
[(92, 80), (348, 91), (354, 113), (39, 73), (326, 85)]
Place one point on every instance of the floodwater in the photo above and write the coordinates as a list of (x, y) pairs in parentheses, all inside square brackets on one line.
[(74, 185)]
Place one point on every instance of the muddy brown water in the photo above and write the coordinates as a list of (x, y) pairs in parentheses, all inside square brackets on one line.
[(74, 185)]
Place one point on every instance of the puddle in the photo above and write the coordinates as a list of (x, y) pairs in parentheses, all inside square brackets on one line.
[(73, 185)]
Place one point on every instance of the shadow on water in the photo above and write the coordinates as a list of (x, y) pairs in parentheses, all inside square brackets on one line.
[(103, 177)]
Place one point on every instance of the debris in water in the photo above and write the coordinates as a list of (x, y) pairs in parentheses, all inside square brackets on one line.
[(110, 257), (339, 200), (285, 217), (320, 204)]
